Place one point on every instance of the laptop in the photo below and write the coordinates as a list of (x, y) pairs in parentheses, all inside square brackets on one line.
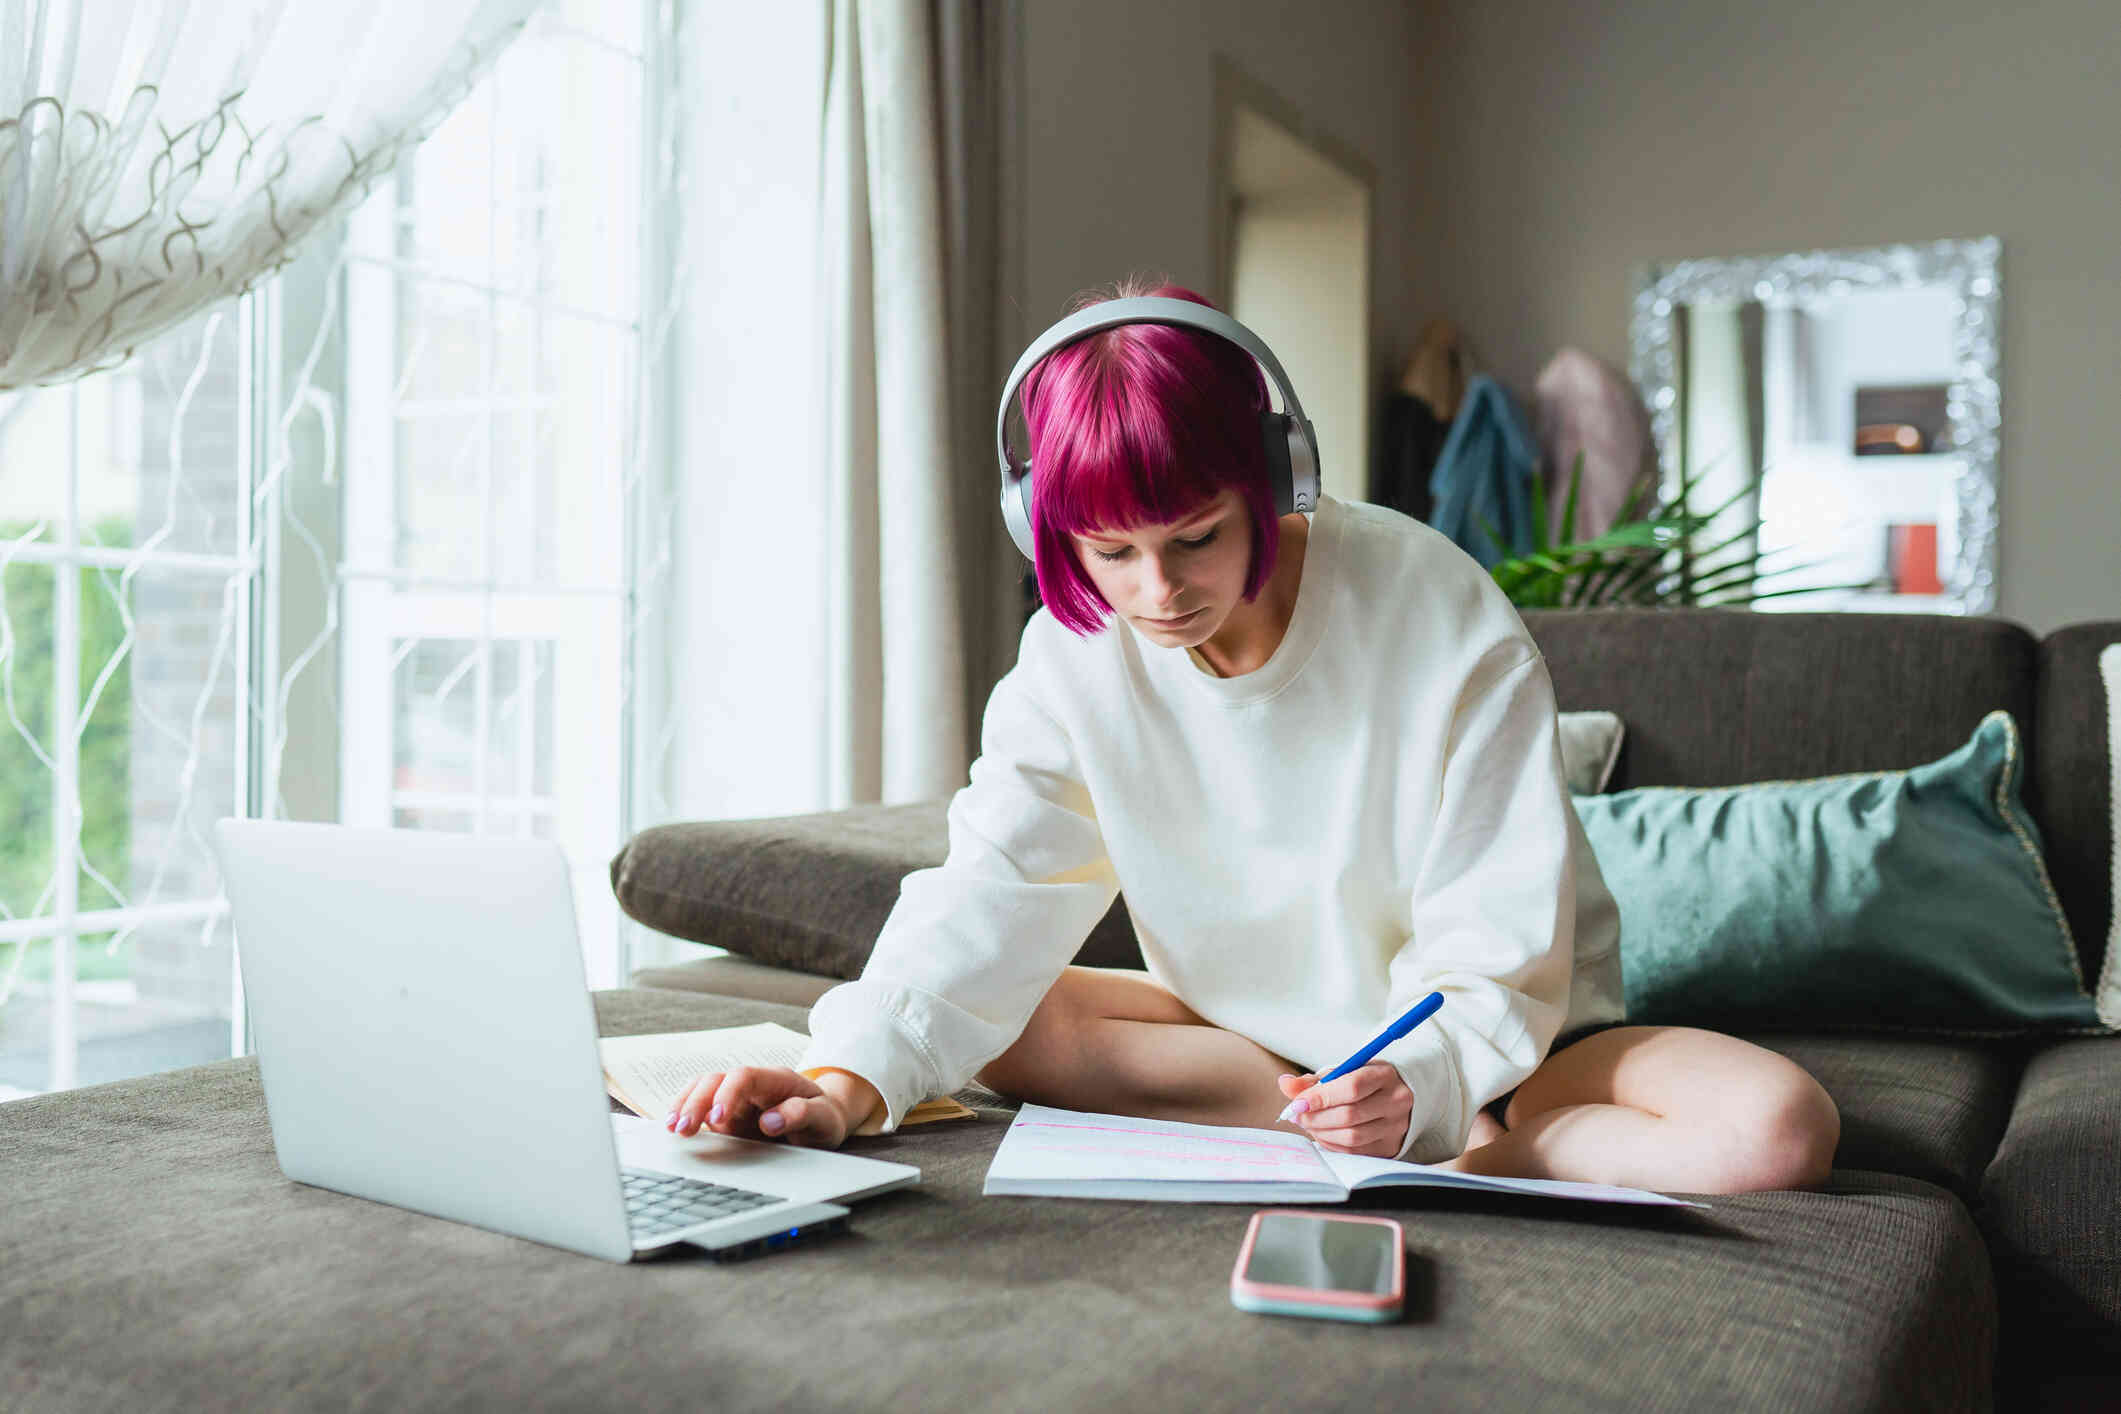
[(422, 1022)]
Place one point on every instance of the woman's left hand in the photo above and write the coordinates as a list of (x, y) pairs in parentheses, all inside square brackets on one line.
[(1363, 1112)]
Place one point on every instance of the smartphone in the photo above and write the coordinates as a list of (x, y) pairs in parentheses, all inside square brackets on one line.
[(1339, 1266)]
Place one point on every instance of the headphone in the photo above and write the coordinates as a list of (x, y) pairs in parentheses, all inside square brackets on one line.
[(1291, 444)]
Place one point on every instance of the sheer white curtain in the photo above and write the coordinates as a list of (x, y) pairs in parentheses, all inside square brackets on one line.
[(906, 290), (158, 155), (840, 555)]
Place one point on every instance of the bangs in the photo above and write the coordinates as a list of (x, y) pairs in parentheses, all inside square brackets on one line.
[(1130, 442)]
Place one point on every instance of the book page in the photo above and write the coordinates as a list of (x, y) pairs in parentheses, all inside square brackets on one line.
[(654, 1070), (1046, 1145), (648, 1073)]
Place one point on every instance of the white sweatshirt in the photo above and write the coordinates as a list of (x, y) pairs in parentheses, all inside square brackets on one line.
[(1377, 812)]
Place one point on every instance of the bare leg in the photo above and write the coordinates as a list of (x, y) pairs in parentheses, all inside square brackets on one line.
[(1486, 1130), (1112, 1041), (1669, 1108)]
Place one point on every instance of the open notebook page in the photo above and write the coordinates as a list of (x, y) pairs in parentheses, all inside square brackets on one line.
[(1071, 1154), (1066, 1152)]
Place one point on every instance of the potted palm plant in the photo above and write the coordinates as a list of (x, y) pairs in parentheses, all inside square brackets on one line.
[(1652, 561)]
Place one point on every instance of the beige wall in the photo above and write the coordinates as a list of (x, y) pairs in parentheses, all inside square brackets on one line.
[(1576, 140), (1117, 148)]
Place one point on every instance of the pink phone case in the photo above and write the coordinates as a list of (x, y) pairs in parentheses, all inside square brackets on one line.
[(1272, 1299)]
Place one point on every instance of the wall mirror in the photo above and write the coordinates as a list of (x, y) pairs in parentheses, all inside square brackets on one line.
[(1860, 386)]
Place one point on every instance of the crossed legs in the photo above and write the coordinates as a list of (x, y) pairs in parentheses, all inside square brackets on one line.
[(1662, 1107)]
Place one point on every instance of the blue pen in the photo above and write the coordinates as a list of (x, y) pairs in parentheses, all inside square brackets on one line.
[(1416, 1014)]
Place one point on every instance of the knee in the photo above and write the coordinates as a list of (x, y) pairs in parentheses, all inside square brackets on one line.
[(1037, 1051), (1786, 1135)]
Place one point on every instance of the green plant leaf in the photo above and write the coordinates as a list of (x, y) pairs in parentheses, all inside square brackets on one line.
[(1539, 511), (1487, 528), (1634, 498), (1644, 570), (1568, 510)]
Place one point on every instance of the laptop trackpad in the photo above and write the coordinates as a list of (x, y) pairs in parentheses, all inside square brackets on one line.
[(790, 1171)]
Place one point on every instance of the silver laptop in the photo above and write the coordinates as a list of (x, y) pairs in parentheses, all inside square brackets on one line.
[(423, 1027)]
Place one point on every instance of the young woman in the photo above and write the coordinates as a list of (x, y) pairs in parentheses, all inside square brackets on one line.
[(1319, 755)]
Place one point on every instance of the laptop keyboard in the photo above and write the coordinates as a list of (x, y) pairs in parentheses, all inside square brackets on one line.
[(657, 1203)]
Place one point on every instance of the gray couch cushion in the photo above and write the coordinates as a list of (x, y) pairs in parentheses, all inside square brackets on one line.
[(2052, 1213), (1715, 697), (1926, 1109), (2071, 778), (808, 892), (155, 1258)]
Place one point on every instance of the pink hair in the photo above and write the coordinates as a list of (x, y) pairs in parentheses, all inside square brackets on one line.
[(1141, 424)]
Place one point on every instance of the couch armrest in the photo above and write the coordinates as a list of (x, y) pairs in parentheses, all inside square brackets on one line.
[(738, 977), (804, 892), (2052, 1213)]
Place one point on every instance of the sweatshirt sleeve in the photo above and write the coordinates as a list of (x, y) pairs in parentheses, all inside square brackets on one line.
[(973, 945), (1494, 911)]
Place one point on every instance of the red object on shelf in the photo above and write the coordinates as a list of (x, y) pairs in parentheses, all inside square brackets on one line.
[(1912, 555)]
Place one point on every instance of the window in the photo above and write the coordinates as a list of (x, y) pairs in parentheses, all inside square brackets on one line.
[(357, 547), (122, 535)]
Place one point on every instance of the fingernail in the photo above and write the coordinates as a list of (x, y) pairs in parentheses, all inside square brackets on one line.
[(714, 1116), (670, 1121), (770, 1122)]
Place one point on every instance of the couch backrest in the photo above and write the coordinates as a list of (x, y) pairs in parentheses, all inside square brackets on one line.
[(1722, 696), (2072, 782), (1716, 697)]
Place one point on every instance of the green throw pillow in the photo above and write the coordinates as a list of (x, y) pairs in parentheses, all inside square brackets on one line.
[(1893, 900)]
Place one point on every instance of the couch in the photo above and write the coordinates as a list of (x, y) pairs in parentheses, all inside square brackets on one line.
[(1967, 1252), (1966, 1255)]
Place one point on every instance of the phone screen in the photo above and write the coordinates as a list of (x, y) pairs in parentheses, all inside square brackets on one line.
[(1324, 1254)]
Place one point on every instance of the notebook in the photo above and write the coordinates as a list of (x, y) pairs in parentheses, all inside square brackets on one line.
[(1067, 1154), (646, 1074)]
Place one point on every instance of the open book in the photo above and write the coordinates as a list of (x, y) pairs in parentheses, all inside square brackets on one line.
[(1064, 1154), (646, 1074)]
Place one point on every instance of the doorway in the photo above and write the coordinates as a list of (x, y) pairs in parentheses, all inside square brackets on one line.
[(1292, 230)]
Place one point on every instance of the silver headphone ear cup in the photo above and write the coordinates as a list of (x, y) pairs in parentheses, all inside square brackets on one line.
[(1303, 470), (1016, 512)]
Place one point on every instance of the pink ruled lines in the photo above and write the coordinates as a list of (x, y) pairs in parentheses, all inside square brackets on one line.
[(1264, 1155)]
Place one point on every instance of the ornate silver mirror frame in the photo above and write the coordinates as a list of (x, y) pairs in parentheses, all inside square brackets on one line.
[(1967, 269)]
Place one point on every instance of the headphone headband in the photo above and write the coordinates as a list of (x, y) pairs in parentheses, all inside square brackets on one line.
[(1294, 450)]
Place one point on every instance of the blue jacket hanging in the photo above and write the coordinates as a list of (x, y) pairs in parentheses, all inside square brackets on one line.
[(1485, 472)]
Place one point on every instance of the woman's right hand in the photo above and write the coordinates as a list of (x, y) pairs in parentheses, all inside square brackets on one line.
[(760, 1102)]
